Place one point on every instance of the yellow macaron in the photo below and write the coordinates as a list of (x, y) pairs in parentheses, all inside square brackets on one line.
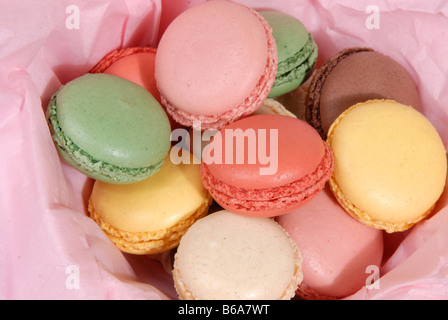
[(390, 164), (152, 215)]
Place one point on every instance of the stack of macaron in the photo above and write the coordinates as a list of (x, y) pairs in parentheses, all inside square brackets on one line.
[(254, 201)]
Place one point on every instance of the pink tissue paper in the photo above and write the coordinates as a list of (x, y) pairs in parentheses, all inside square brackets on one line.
[(51, 249)]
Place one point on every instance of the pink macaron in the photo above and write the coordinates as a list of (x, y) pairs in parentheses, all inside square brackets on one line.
[(340, 255), (266, 165), (216, 62)]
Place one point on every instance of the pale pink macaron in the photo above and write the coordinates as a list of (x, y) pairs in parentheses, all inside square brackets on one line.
[(340, 255), (216, 62)]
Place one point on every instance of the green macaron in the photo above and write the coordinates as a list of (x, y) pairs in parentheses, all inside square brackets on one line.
[(109, 128), (296, 51)]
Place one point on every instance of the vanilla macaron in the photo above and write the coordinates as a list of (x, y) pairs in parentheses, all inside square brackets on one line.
[(234, 257), (390, 164)]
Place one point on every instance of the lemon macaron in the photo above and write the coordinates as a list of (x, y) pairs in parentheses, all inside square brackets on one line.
[(151, 216), (390, 164)]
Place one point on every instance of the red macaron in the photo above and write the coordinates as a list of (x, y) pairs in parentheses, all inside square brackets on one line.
[(266, 165)]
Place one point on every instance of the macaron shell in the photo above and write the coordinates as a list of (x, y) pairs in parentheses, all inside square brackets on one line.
[(266, 165), (138, 68), (367, 75), (296, 50), (269, 202), (390, 164), (126, 207), (199, 62), (102, 114), (289, 33), (356, 75), (227, 256), (297, 150), (294, 78), (336, 249)]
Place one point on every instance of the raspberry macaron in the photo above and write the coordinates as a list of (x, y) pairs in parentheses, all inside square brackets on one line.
[(337, 250)]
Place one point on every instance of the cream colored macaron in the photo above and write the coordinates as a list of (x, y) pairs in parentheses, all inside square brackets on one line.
[(390, 164), (152, 215), (233, 257), (271, 106)]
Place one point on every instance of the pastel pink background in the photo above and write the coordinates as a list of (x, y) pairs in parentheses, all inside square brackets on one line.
[(44, 230)]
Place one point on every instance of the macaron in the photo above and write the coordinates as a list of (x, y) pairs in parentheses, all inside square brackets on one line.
[(294, 101), (390, 164), (135, 64), (271, 106), (356, 75), (225, 256), (296, 51), (109, 128), (216, 62), (336, 249), (265, 165), (151, 216)]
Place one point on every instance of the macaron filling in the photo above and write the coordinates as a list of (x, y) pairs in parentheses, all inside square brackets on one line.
[(280, 199), (81, 159)]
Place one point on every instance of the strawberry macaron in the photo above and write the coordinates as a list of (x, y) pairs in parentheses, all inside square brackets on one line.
[(266, 165), (216, 63)]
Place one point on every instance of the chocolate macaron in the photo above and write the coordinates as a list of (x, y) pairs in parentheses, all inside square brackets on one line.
[(356, 75)]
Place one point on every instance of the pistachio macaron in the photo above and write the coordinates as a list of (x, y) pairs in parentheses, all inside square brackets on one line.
[(109, 128), (390, 164), (296, 50), (151, 216)]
